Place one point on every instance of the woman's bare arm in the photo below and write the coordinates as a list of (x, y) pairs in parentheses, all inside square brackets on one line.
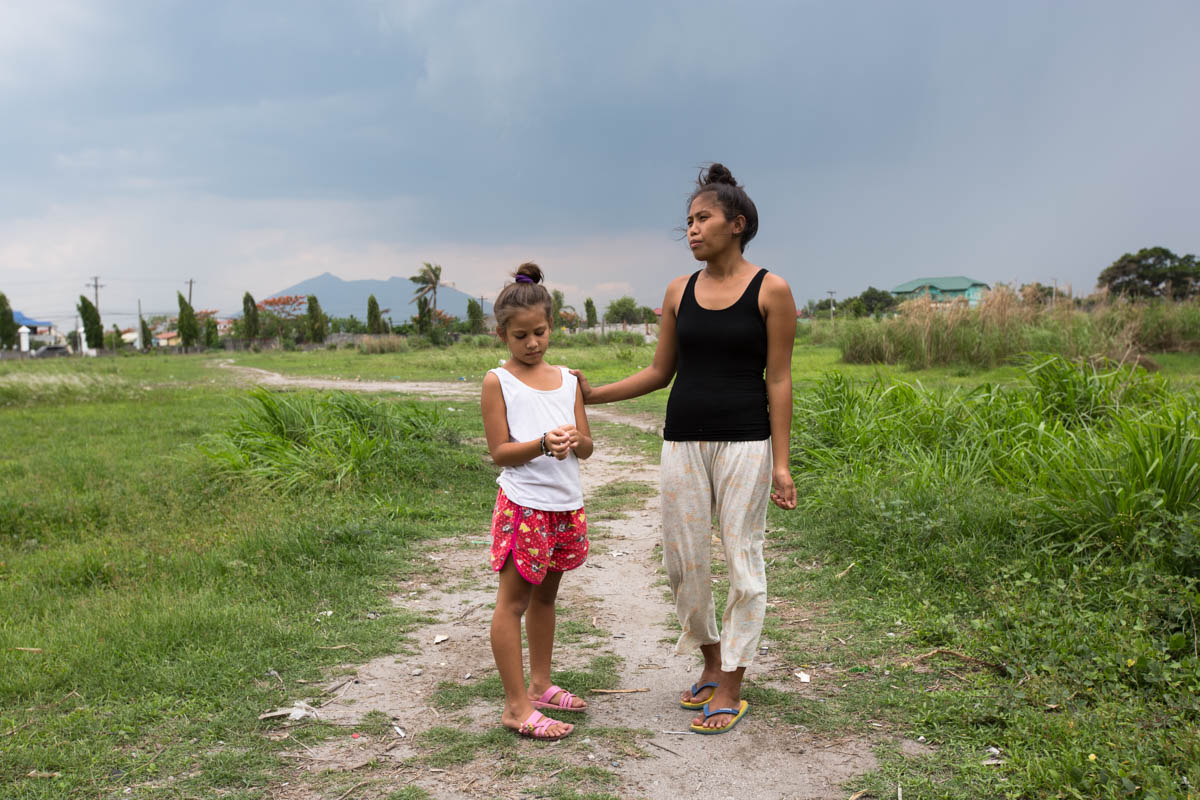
[(780, 311), (661, 369)]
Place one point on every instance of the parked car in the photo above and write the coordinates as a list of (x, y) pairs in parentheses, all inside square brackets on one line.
[(51, 351)]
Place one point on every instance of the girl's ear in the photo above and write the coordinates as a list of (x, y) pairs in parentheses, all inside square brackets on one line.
[(739, 224)]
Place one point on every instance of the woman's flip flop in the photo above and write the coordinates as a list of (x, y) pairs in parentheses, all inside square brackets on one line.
[(536, 725), (738, 713), (564, 703), (694, 705)]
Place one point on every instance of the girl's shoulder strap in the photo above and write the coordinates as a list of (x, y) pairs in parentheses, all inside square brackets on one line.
[(506, 377)]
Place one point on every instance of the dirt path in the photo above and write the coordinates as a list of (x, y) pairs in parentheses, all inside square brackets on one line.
[(619, 597)]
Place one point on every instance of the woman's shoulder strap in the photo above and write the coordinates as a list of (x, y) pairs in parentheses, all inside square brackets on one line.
[(754, 287), (689, 290)]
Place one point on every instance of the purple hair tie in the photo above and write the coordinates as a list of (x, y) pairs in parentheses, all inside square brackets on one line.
[(524, 279)]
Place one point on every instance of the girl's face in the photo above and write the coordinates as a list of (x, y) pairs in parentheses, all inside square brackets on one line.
[(527, 335), (708, 231)]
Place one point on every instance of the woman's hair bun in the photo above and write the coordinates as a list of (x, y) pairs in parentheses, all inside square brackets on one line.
[(717, 173), (530, 270)]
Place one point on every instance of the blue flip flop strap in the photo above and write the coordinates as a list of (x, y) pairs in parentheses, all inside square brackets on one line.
[(698, 686), (731, 711)]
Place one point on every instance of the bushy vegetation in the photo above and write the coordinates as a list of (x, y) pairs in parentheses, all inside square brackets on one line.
[(922, 335), (300, 441), (1049, 529)]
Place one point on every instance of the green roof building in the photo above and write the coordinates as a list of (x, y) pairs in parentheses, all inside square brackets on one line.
[(943, 290)]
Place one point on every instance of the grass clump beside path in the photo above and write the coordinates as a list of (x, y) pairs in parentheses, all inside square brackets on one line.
[(1048, 530), (301, 441), (156, 601)]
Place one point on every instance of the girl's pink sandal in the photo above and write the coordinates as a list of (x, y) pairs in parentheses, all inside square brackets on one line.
[(536, 725), (563, 704)]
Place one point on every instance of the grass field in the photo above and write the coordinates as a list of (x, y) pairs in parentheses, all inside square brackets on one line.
[(149, 602), (156, 599)]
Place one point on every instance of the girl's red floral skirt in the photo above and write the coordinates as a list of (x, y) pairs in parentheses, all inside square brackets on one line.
[(539, 541)]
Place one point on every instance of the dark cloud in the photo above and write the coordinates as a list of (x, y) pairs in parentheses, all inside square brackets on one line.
[(881, 141)]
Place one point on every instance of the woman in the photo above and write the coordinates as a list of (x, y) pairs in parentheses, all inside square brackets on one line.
[(725, 448)]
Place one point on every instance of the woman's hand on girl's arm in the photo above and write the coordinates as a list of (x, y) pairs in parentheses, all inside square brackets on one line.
[(585, 388)]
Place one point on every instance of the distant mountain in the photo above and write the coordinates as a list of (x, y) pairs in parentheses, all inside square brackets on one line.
[(341, 298)]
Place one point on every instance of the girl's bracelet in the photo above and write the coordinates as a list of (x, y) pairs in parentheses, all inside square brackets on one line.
[(542, 445)]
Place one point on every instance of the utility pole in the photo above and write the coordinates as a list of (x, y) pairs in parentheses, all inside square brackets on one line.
[(1055, 295), (96, 287), (140, 344), (831, 294), (189, 283)]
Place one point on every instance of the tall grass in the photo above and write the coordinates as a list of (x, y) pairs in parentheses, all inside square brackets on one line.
[(298, 441), (387, 343), (923, 334), (1052, 528)]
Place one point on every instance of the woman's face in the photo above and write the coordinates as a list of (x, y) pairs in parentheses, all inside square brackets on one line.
[(709, 233)]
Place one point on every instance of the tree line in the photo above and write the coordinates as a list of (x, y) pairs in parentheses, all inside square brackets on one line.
[(1152, 272)]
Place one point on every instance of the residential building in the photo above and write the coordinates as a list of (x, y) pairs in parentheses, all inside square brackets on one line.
[(943, 290)]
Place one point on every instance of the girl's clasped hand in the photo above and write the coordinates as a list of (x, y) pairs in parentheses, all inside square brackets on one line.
[(562, 441)]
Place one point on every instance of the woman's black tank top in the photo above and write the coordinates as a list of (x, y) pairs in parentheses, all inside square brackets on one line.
[(720, 394)]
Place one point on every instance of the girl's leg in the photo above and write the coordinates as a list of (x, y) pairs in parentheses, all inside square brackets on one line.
[(742, 481), (539, 629), (512, 599), (687, 553)]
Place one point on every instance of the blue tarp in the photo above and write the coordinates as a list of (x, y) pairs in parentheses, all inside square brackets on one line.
[(21, 319)]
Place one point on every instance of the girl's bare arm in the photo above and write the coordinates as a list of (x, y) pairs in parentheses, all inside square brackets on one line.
[(495, 426), (582, 440)]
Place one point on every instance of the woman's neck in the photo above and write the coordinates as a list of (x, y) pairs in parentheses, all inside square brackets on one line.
[(726, 264)]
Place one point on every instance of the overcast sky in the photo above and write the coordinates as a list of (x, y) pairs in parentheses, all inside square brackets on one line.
[(249, 146)]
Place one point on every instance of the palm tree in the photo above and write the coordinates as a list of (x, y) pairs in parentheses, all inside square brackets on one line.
[(427, 281)]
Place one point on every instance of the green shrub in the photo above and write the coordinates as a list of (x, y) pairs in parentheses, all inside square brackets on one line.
[(335, 440)]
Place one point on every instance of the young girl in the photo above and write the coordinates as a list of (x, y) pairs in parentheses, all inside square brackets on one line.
[(726, 338), (537, 431)]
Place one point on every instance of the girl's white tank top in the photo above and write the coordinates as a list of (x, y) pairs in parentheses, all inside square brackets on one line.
[(545, 483)]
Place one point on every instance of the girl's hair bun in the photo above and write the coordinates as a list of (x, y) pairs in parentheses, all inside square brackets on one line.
[(531, 271), (524, 292), (717, 173)]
